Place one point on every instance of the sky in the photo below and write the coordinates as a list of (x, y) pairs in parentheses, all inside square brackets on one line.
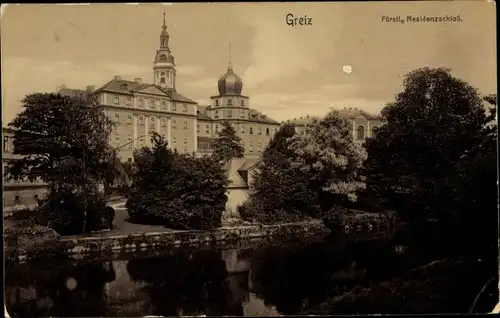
[(348, 57)]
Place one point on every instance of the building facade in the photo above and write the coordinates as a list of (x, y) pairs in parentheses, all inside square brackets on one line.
[(18, 193)]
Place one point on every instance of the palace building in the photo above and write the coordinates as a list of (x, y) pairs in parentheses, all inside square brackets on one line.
[(140, 108)]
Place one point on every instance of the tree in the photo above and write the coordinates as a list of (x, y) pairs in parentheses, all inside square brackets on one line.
[(176, 190), (329, 155), (414, 160), (307, 176), (63, 142), (228, 145), (277, 193)]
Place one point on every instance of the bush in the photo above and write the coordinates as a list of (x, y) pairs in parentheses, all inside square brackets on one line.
[(65, 212), (177, 190)]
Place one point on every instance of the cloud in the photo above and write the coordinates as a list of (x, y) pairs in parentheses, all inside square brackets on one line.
[(276, 52), (22, 75), (190, 70)]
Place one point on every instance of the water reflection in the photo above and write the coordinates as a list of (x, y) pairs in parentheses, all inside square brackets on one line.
[(290, 278)]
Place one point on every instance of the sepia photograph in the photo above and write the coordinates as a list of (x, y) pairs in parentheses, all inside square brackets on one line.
[(249, 159)]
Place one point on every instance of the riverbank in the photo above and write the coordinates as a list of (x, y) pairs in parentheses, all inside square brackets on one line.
[(99, 246), (436, 287)]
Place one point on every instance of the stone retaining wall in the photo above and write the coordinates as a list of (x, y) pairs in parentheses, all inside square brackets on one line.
[(105, 246)]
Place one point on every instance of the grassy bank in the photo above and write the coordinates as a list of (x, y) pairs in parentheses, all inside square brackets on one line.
[(444, 286)]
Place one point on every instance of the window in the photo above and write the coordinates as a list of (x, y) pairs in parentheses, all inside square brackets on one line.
[(242, 129), (152, 121), (129, 101), (163, 104), (267, 131), (162, 74), (117, 116), (260, 130), (259, 147), (185, 144), (174, 123), (116, 100), (360, 133), (141, 102), (129, 119), (162, 80), (207, 129), (152, 103), (185, 108), (36, 196), (141, 120), (129, 159), (374, 131), (250, 147), (242, 103), (302, 132), (174, 107), (242, 113), (174, 141), (230, 113), (230, 102), (130, 144), (185, 124), (197, 127), (216, 114), (16, 198), (5, 144), (250, 131), (217, 127), (216, 102), (163, 121)]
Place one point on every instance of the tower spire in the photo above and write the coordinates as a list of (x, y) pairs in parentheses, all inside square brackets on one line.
[(230, 66), (164, 27)]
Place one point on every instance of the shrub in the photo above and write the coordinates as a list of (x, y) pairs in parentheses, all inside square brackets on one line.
[(177, 190), (65, 212)]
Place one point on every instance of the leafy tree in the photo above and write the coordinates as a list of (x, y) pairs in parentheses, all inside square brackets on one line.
[(414, 160), (63, 142), (328, 153), (176, 190), (228, 144), (309, 175)]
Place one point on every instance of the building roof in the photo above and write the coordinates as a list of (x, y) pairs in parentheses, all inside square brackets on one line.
[(71, 92), (235, 167), (353, 113), (120, 86), (202, 113), (302, 121)]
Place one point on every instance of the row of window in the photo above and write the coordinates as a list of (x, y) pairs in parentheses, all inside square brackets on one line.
[(142, 142), (360, 132), (229, 113), (152, 103), (230, 102), (151, 121), (242, 129)]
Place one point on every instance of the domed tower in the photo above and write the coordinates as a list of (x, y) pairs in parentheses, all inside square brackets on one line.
[(230, 83), (164, 64), (230, 87)]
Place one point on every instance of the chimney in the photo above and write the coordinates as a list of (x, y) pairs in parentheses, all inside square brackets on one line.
[(90, 88), (138, 80), (118, 77)]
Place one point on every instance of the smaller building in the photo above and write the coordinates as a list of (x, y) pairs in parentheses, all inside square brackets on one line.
[(240, 173), (18, 194), (364, 124)]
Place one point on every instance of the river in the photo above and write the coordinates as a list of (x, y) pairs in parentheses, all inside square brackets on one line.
[(321, 275)]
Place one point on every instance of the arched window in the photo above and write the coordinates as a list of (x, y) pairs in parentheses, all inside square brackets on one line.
[(267, 131), (361, 133), (374, 131)]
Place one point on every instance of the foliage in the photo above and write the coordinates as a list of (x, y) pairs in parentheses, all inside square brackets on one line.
[(306, 176), (176, 190), (415, 156), (228, 144), (436, 155), (63, 142)]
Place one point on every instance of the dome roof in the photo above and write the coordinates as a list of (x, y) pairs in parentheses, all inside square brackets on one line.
[(230, 83)]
